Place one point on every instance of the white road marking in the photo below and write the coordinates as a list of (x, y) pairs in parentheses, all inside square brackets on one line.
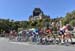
[(2, 38), (20, 43)]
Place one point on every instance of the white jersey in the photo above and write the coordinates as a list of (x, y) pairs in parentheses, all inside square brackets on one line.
[(63, 28)]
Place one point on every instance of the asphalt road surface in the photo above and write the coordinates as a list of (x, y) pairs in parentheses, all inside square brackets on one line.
[(6, 45)]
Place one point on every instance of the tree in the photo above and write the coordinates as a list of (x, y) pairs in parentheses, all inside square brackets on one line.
[(73, 14), (72, 22)]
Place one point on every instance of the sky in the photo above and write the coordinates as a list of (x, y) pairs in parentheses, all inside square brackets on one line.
[(19, 10)]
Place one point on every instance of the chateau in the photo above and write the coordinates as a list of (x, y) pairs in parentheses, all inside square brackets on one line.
[(37, 15)]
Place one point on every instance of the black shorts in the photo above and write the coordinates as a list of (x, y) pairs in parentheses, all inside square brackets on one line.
[(61, 32)]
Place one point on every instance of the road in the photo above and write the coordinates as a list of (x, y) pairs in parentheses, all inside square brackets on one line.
[(6, 45)]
